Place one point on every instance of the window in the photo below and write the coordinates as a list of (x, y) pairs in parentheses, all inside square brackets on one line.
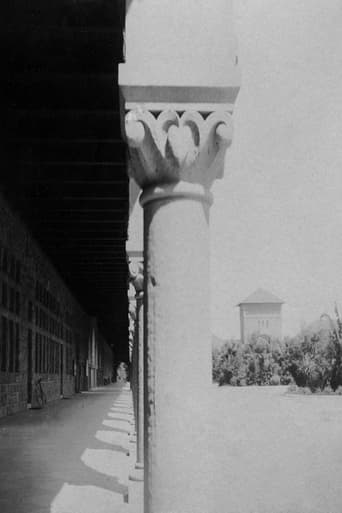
[(49, 369), (4, 294), (69, 362), (46, 362), (42, 363), (36, 359), (54, 357), (12, 267), (11, 346), (18, 272), (4, 336), (17, 347), (58, 358), (17, 303), (12, 300), (5, 260), (40, 353), (30, 311)]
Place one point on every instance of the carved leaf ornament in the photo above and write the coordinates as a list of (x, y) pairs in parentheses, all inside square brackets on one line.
[(170, 147), (136, 273)]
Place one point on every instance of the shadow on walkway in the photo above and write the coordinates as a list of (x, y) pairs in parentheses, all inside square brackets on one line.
[(61, 459)]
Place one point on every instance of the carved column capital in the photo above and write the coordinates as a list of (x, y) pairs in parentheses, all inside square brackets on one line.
[(136, 273), (170, 147)]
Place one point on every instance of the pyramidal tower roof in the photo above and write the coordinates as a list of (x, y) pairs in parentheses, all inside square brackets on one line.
[(261, 296)]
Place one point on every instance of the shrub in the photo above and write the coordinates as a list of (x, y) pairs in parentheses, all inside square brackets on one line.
[(255, 363), (311, 361), (275, 380), (314, 361)]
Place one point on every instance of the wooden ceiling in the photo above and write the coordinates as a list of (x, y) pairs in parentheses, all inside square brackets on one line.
[(63, 161)]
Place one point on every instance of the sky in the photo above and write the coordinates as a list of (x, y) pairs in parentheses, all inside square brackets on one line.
[(276, 222)]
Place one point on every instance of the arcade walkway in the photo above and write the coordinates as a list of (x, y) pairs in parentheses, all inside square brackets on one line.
[(70, 457), (274, 453)]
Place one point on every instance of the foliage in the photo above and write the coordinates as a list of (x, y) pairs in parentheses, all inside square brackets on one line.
[(313, 361), (259, 362)]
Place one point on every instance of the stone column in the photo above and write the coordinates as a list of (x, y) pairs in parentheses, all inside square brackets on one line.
[(178, 85), (137, 279), (130, 348), (133, 358), (139, 466), (175, 159)]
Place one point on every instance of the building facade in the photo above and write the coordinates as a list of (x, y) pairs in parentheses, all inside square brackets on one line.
[(44, 333), (260, 314)]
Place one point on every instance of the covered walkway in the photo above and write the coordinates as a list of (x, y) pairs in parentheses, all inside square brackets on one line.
[(101, 94), (70, 457), (273, 452)]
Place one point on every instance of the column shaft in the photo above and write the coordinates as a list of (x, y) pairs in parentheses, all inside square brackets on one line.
[(177, 351), (140, 382), (134, 378)]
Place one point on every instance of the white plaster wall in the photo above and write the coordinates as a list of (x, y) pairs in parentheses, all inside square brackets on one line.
[(254, 313), (156, 33)]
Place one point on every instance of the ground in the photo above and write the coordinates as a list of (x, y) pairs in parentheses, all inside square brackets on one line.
[(273, 452), (276, 452), (70, 457)]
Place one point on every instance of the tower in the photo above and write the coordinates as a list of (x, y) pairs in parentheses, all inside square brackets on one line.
[(260, 313)]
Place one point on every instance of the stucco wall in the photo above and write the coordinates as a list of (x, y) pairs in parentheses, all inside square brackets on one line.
[(43, 330), (262, 318)]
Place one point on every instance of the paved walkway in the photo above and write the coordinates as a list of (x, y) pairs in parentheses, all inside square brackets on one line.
[(70, 457), (272, 453)]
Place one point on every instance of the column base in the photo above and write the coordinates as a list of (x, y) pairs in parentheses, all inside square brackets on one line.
[(136, 489), (137, 474)]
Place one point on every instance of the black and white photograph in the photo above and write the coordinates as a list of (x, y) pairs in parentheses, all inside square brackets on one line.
[(170, 256)]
